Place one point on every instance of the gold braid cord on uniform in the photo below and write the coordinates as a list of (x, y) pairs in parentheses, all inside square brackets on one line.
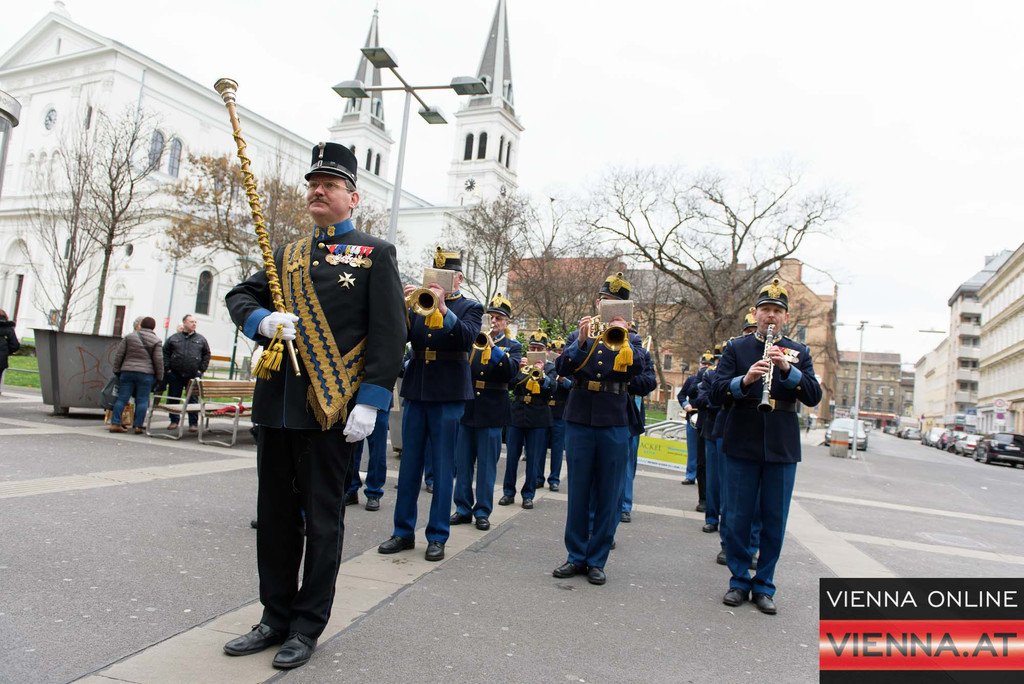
[(333, 381)]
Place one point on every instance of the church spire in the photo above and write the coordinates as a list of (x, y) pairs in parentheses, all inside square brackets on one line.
[(496, 64), (369, 75)]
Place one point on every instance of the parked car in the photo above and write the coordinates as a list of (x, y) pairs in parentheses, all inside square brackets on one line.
[(945, 439), (847, 425), (953, 440), (931, 437), (1000, 447), (911, 433), (890, 429), (967, 445)]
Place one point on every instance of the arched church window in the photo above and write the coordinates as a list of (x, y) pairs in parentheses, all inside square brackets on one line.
[(508, 155), (156, 149), (501, 149), (481, 149), (203, 290), (174, 158), (376, 166), (369, 159), (468, 153), (352, 149)]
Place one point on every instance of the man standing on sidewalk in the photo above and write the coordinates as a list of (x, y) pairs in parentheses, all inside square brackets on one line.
[(186, 356)]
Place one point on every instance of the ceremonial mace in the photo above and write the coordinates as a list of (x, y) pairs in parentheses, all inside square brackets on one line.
[(270, 360)]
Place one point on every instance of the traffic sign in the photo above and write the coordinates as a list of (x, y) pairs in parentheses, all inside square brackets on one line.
[(999, 403)]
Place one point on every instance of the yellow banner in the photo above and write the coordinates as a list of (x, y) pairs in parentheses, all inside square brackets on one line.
[(662, 453)]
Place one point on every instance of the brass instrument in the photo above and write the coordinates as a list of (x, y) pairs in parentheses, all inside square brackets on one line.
[(483, 338), (613, 336), (227, 88), (422, 300), (536, 374), (766, 403)]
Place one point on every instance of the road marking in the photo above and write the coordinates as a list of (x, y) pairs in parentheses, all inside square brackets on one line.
[(842, 558), (933, 548), (908, 509)]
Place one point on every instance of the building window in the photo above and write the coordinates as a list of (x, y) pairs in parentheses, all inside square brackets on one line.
[(501, 149), (88, 117), (468, 153), (376, 166), (369, 159), (203, 290), (129, 249), (667, 363), (508, 155), (174, 158), (481, 149), (156, 149)]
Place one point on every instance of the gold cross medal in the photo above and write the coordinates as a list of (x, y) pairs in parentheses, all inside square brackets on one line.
[(346, 280)]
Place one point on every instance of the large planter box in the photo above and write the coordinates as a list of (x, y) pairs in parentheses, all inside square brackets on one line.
[(73, 367)]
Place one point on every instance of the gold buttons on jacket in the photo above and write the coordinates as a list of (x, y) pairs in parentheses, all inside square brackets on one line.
[(598, 375), (600, 363), (316, 263), (321, 245)]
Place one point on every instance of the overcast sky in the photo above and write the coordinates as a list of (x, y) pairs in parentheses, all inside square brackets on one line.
[(912, 108)]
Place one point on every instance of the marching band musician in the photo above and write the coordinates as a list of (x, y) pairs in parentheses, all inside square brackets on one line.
[(556, 437), (531, 420), (479, 440), (712, 466), (344, 307), (761, 448), (640, 385), (435, 389), (599, 422)]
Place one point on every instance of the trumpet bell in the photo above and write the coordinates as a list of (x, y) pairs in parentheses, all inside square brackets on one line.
[(536, 373), (480, 343), (614, 337), (423, 301)]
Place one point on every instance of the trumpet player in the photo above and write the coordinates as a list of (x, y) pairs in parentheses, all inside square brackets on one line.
[(494, 364), (556, 436), (532, 389), (761, 448), (435, 388)]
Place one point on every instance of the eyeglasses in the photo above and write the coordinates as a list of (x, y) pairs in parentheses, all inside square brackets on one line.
[(328, 186)]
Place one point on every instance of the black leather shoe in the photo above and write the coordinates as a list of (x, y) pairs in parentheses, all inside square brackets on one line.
[(295, 652), (435, 551), (352, 499), (753, 562), (483, 524), (613, 544), (596, 576), (699, 507), (459, 519), (396, 544), (506, 500), (372, 503), (260, 638), (567, 570), (720, 559), (734, 597), (688, 481), (709, 528), (253, 523), (539, 485), (764, 603), (553, 487), (527, 503), (626, 517)]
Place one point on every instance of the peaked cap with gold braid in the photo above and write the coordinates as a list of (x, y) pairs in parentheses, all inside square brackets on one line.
[(616, 286), (538, 337), (450, 261), (501, 305), (749, 321), (773, 293)]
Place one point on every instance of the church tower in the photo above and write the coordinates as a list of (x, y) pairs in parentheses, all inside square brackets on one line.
[(361, 126), (487, 133)]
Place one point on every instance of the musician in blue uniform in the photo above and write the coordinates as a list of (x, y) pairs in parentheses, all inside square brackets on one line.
[(599, 421), (531, 420), (640, 385), (761, 448), (690, 476), (343, 309), (376, 465), (435, 389), (479, 440), (712, 465), (556, 436)]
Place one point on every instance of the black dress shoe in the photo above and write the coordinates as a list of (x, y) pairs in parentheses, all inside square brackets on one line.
[(527, 503), (539, 485), (709, 528), (296, 651), (734, 597), (764, 603), (435, 551), (688, 481), (567, 570), (699, 507), (396, 544), (720, 559), (596, 576), (483, 524), (261, 637), (553, 487), (613, 544), (459, 519), (626, 517), (352, 499), (253, 523), (372, 503), (506, 500)]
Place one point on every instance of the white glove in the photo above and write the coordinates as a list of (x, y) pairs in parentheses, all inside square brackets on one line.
[(287, 321), (360, 422)]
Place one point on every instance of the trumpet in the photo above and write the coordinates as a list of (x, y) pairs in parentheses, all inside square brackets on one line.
[(536, 374), (422, 301), (483, 338), (766, 403), (613, 336)]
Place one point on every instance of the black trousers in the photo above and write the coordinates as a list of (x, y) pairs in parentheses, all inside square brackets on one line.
[(175, 386), (302, 479), (701, 469)]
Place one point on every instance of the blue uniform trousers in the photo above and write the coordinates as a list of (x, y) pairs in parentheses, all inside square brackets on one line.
[(535, 441), (715, 485), (556, 443), (626, 501), (376, 463), (692, 440), (756, 487), (596, 457), (723, 517), (479, 446), (438, 422)]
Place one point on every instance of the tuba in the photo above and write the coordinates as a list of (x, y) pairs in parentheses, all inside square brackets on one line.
[(766, 405)]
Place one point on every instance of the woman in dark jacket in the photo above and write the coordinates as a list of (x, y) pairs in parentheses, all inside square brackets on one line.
[(139, 363), (8, 340)]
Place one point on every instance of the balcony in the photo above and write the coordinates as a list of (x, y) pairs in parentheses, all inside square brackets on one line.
[(968, 374), (969, 307), (969, 353), (965, 397), (968, 329)]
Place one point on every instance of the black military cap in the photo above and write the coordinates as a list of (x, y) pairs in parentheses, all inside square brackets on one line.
[(450, 261), (749, 322), (615, 286), (500, 304), (538, 337), (774, 293), (333, 159)]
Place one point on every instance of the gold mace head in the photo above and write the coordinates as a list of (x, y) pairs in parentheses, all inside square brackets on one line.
[(227, 88)]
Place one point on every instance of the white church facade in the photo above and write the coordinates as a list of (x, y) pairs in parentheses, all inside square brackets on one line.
[(62, 72)]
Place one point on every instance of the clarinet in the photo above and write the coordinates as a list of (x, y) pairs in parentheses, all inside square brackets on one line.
[(766, 403)]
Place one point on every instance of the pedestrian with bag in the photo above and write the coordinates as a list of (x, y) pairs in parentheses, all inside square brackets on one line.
[(8, 340), (138, 364)]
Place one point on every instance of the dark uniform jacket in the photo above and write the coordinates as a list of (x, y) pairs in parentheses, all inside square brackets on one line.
[(561, 393), (371, 307), (709, 410), (491, 406), (750, 434), (600, 396), (531, 410), (439, 367)]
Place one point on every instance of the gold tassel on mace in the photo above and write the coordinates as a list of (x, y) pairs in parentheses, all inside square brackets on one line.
[(270, 361)]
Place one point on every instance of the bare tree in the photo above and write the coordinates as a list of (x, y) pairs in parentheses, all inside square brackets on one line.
[(719, 239)]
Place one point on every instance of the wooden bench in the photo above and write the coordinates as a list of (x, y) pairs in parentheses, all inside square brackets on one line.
[(228, 399)]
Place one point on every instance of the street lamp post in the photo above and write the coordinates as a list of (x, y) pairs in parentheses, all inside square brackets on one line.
[(381, 58), (856, 391)]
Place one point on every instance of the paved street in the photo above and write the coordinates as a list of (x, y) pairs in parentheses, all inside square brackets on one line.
[(126, 558)]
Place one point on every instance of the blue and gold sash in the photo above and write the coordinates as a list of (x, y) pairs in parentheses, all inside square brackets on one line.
[(333, 381)]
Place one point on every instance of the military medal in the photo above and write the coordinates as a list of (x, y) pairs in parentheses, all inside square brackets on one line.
[(356, 256), (346, 280)]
